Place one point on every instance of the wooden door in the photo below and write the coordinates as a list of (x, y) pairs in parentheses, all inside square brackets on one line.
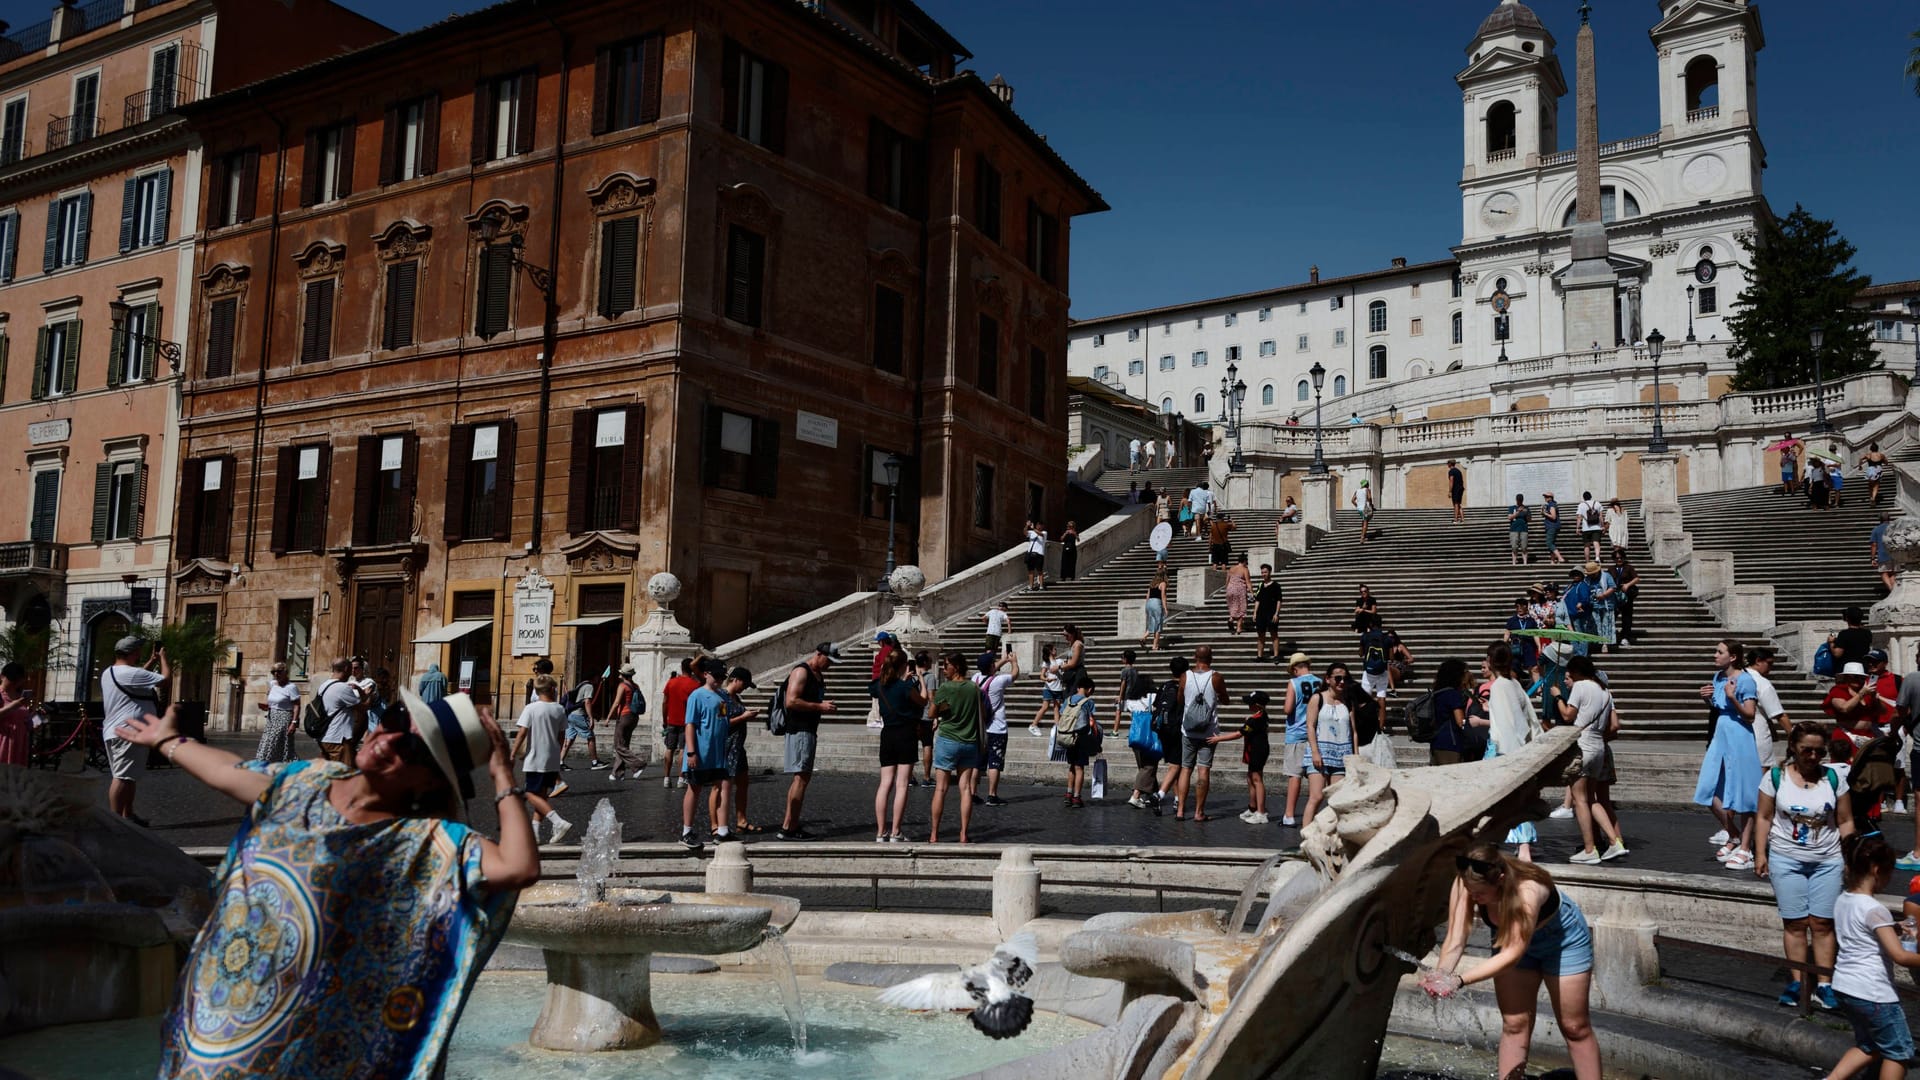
[(376, 625), (726, 609)]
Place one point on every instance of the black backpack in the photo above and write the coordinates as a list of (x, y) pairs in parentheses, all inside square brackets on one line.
[(314, 719), (1420, 719), (1374, 652), (1166, 712)]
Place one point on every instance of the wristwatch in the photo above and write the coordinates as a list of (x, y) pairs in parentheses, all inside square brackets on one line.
[(508, 793)]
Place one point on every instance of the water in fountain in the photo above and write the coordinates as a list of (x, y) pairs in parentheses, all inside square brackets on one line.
[(1237, 926), (599, 853), (774, 948)]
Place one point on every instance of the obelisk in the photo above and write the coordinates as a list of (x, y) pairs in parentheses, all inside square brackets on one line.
[(1588, 288)]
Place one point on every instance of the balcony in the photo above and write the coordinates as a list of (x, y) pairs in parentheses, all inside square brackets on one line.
[(1695, 116), (168, 92), (65, 131), (1501, 155), (31, 556)]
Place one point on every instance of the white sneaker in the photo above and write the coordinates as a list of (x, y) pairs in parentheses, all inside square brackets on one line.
[(1585, 858), (1257, 818), (1742, 860), (1562, 812), (1719, 838), (1289, 822), (1034, 730), (1614, 850), (1246, 816), (561, 827)]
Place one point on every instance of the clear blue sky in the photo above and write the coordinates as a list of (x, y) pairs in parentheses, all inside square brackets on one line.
[(1240, 141)]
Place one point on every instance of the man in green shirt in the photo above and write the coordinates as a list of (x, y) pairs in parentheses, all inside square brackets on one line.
[(956, 741)]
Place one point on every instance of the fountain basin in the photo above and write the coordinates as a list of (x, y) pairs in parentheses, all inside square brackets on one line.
[(599, 988)]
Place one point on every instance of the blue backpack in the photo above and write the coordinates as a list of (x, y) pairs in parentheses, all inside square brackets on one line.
[(1823, 660)]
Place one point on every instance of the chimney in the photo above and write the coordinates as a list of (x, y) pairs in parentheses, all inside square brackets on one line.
[(1399, 262), (1001, 90), (1313, 274)]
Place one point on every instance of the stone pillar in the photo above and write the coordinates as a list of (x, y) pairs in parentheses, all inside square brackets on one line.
[(1016, 891), (1196, 583), (1659, 480), (730, 872), (1625, 961), (907, 623), (1316, 501), (1898, 616), (1131, 620), (655, 650), (1666, 537), (1292, 540), (1238, 491), (1026, 646)]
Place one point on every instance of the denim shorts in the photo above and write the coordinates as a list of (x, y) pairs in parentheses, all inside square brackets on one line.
[(578, 726), (1802, 888), (1563, 946), (952, 755), (1879, 1027), (1051, 696)]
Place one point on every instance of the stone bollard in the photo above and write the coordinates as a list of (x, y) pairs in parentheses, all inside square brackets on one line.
[(1016, 891), (730, 872), (1625, 961)]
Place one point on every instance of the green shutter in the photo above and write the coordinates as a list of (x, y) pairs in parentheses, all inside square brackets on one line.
[(116, 350), (70, 364), (102, 496), (6, 340), (139, 502), (40, 366), (148, 353)]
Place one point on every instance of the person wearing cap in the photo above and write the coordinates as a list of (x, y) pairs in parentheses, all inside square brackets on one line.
[(1362, 501), (1550, 521), (1457, 491), (129, 688), (1579, 601), (737, 681), (1520, 638), (706, 756), (1859, 713), (629, 705), (884, 646), (1730, 772), (804, 702), (1302, 684), (902, 703), (1256, 748), (345, 877), (541, 730)]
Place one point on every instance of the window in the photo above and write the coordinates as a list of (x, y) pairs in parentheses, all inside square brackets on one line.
[(1167, 363), (1302, 390), (1339, 386), (83, 122), (1199, 404), (1233, 353), (206, 509), (742, 452), (1200, 324), (1499, 284), (13, 131), (1036, 502), (1232, 319), (503, 115), (987, 370), (896, 169), (411, 147), (1340, 335), (69, 221), (1703, 87), (1037, 384), (493, 301), (619, 265), (1709, 299), (143, 209), (1456, 283), (1413, 291), (756, 98), (1133, 334), (480, 481), (1266, 314), (1615, 204), (1166, 406), (326, 173), (1100, 372), (119, 497), (300, 499), (1502, 131), (1335, 303), (1200, 358), (986, 198), (1377, 362), (1303, 307), (163, 79), (1300, 343), (608, 451), (1266, 394), (56, 359), (403, 284), (875, 494), (1267, 348), (236, 179), (626, 84), (1377, 317), (473, 653), (9, 245), (1414, 328), (1136, 367), (982, 496), (746, 270), (293, 640), (131, 353), (383, 491), (1043, 243), (46, 506), (222, 315), (316, 322), (1099, 340)]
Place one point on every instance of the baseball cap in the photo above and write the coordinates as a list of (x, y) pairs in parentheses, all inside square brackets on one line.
[(744, 676), (880, 636), (828, 649), (1876, 656), (985, 662), (128, 644), (1256, 700)]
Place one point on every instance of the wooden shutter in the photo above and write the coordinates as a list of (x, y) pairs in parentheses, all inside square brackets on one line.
[(730, 87), (429, 162), (9, 246), (6, 345), (249, 182), (764, 466), (187, 521), (409, 479), (40, 364), (366, 467), (310, 168), (710, 448), (322, 486), (482, 132), (578, 487), (746, 252), (149, 354), (496, 290), (284, 485), (390, 145), (70, 365), (116, 351), (603, 62), (50, 255), (316, 333), (139, 522), (84, 231), (525, 115), (619, 258), (652, 54), (773, 118), (217, 197), (459, 460), (889, 329), (218, 543), (129, 205), (402, 282), (220, 334), (633, 460), (503, 486), (877, 158), (102, 499), (349, 131), (162, 208)]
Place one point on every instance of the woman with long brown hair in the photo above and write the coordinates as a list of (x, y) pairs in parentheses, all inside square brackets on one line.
[(1539, 935)]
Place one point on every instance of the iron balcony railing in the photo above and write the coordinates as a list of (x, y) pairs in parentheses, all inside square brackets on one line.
[(182, 88), (28, 555), (15, 150), (65, 131)]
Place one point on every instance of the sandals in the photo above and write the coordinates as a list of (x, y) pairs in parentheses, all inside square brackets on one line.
[(1201, 817), (750, 829)]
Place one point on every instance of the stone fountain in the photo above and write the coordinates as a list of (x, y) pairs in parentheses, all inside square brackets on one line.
[(598, 942)]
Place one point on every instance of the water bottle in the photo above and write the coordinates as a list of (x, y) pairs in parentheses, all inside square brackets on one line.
[(1908, 934)]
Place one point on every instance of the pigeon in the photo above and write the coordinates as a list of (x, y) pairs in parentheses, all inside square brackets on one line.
[(989, 994)]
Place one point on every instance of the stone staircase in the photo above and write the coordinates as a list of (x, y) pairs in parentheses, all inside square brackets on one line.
[(1816, 561), (1179, 480)]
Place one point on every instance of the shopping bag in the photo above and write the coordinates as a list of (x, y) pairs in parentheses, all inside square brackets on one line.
[(1055, 752), (1141, 736), (1380, 751), (1099, 778), (873, 715)]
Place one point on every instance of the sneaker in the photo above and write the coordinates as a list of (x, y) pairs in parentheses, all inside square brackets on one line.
[(1614, 850), (140, 821), (1562, 812), (1741, 860), (979, 800), (558, 790), (1257, 818), (680, 782), (561, 827), (1246, 816), (794, 834), (913, 782), (1906, 862), (690, 841), (1034, 731), (881, 839), (1719, 838), (1790, 997), (1136, 802), (596, 764), (564, 767), (995, 800), (1289, 823), (667, 782), (1585, 858), (1823, 997), (723, 836)]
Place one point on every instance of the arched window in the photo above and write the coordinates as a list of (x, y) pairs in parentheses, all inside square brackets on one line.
[(1266, 394), (1416, 370), (1377, 317), (1459, 330), (1302, 390), (1615, 204), (1199, 404), (1339, 386), (1377, 362), (1501, 140), (1166, 405), (1703, 87)]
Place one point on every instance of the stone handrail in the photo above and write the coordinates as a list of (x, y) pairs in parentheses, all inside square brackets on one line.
[(768, 652)]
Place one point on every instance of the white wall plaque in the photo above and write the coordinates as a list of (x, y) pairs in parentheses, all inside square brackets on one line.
[(210, 475), (309, 463), (532, 620), (391, 451), (1534, 478), (486, 443), (816, 429), (610, 428), (49, 431)]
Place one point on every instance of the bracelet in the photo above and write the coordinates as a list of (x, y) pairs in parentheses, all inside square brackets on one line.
[(509, 793), (177, 741)]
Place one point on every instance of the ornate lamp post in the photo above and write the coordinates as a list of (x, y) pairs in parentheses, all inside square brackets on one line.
[(1913, 311), (1820, 424), (1319, 466), (1238, 462), (166, 350), (1655, 342), (1689, 313), (891, 467)]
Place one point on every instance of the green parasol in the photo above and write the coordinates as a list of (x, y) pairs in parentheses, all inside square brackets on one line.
[(1561, 633)]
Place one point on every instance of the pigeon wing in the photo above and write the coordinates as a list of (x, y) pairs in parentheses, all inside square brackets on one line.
[(942, 991), (1003, 1019), (1015, 961)]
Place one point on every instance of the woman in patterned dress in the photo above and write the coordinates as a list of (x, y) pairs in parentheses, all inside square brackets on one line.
[(283, 712), (355, 906)]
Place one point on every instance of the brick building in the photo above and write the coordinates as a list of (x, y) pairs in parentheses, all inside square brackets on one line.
[(558, 297), (91, 137)]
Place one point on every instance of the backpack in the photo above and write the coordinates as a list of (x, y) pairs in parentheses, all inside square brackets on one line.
[(1591, 515), (777, 704), (1823, 660), (1832, 778), (1196, 720), (314, 719), (1420, 720), (1374, 652), (1166, 712)]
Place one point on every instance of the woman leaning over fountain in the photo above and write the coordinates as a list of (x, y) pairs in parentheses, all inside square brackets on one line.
[(355, 906), (1539, 935)]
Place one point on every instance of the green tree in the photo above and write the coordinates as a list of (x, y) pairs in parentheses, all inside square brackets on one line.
[(194, 647), (1802, 278)]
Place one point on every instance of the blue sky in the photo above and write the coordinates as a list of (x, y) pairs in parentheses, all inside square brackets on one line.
[(1239, 141)]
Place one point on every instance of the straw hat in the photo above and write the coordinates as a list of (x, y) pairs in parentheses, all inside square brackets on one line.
[(1298, 658), (453, 733)]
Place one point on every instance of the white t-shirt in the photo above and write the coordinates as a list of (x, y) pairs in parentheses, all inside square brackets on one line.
[(1050, 674), (993, 692), (996, 622), (1200, 686), (339, 698), (1591, 705), (1806, 825), (1766, 707), (1201, 499), (1597, 522), (1134, 448), (1862, 970), (1037, 542), (283, 696), (546, 724), (126, 693)]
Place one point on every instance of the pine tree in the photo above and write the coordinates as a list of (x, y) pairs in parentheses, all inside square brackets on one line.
[(1802, 278)]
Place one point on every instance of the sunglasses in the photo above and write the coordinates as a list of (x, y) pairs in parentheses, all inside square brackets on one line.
[(409, 746), (1339, 678), (1492, 871)]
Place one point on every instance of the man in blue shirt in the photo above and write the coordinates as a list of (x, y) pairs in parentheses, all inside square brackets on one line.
[(1526, 647), (1302, 684), (705, 762), (1579, 601)]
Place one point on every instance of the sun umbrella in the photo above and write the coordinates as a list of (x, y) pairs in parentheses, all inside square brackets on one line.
[(1783, 443), (1561, 633)]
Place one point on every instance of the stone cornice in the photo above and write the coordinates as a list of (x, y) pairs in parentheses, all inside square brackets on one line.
[(1648, 226)]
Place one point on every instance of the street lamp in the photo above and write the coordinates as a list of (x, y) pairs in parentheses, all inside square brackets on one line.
[(1238, 462), (1913, 311), (166, 350), (891, 467), (1689, 313), (1820, 425), (1319, 466), (1655, 342)]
